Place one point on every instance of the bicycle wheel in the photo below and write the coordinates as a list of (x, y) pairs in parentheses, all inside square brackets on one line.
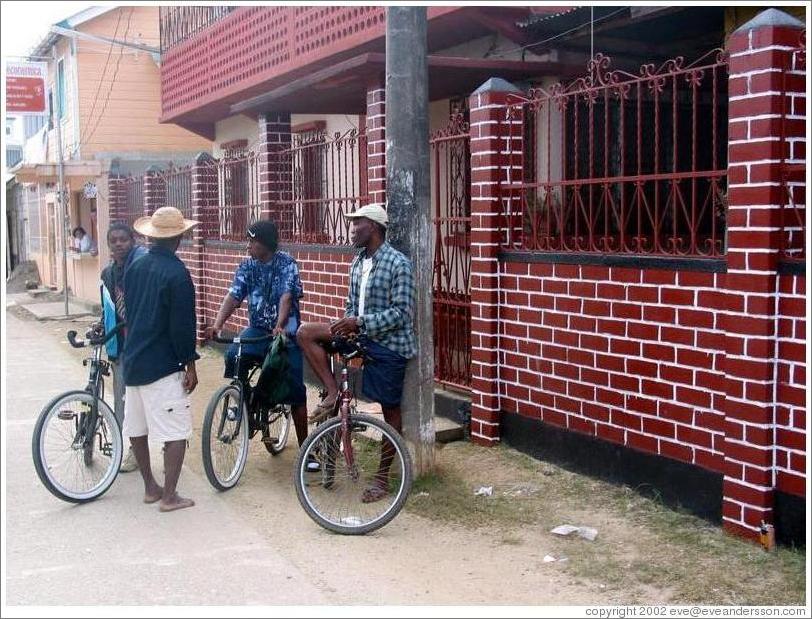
[(275, 435), (224, 440), (348, 466), (60, 453)]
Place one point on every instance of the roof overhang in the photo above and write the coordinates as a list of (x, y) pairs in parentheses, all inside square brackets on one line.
[(341, 88), (71, 22), (49, 172)]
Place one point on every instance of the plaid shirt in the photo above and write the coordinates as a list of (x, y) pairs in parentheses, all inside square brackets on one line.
[(389, 302)]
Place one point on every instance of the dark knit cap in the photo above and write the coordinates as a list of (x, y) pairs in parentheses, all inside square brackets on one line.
[(265, 232)]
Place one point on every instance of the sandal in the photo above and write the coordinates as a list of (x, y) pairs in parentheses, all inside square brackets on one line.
[(373, 494)]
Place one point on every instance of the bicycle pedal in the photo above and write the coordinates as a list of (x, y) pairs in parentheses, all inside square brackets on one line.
[(268, 440), (66, 415)]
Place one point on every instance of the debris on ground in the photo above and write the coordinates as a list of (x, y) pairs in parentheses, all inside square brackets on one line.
[(552, 559), (484, 491), (517, 490), (419, 494), (566, 530)]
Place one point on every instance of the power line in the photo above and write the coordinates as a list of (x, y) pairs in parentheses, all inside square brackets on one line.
[(101, 78), (560, 34), (113, 81)]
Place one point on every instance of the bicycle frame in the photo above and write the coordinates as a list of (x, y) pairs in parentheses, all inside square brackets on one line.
[(99, 368), (240, 386)]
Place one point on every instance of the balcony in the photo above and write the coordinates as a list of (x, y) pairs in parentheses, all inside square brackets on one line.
[(215, 57)]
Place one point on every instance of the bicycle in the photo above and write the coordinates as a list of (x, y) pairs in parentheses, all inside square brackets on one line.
[(351, 449), (232, 419), (77, 444)]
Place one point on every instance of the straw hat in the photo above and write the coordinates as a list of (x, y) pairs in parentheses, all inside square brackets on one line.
[(375, 212), (166, 222)]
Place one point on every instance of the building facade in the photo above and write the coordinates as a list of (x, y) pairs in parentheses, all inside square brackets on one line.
[(618, 207), (105, 96)]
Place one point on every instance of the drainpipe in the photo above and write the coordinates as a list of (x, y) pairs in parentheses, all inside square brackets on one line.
[(63, 208)]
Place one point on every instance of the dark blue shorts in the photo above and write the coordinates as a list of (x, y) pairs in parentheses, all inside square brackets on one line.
[(384, 372), (255, 352)]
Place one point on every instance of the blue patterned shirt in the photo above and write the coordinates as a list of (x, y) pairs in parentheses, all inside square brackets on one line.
[(389, 302), (264, 283)]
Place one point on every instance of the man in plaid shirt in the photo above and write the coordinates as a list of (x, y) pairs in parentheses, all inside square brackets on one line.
[(380, 312)]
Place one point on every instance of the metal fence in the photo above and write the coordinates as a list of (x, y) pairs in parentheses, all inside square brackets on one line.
[(450, 152), (134, 198), (327, 178), (179, 23), (621, 163)]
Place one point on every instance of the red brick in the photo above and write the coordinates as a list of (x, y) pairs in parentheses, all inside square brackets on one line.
[(624, 383), (676, 451), (554, 417), (611, 433), (612, 327), (693, 396), (656, 313), (627, 310), (611, 291), (660, 352), (579, 424), (657, 388), (676, 412), (625, 347), (641, 442), (749, 454), (746, 494), (793, 484)]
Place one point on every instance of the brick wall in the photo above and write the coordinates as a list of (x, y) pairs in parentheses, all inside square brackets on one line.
[(632, 356), (790, 413)]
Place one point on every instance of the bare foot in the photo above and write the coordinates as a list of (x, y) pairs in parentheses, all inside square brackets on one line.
[(154, 495), (175, 503)]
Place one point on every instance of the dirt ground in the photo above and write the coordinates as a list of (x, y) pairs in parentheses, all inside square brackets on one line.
[(452, 547)]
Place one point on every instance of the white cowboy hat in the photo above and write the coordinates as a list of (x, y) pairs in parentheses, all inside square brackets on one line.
[(166, 222), (375, 212)]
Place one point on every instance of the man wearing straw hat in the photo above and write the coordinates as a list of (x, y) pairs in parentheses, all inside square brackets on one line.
[(159, 354)]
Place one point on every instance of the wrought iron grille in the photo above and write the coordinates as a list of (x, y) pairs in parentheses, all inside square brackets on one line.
[(238, 194), (450, 152), (793, 168), (178, 187), (134, 192), (325, 181), (621, 163), (179, 23)]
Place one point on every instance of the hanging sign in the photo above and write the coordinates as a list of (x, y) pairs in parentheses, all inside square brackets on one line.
[(25, 87)]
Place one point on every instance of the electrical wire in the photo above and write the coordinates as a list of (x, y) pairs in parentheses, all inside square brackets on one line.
[(559, 35), (113, 81), (101, 78)]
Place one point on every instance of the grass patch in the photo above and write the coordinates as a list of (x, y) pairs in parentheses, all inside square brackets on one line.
[(644, 548)]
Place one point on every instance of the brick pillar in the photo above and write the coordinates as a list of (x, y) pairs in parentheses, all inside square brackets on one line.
[(376, 142), (492, 154), (116, 198), (154, 190), (759, 51), (276, 171), (204, 210)]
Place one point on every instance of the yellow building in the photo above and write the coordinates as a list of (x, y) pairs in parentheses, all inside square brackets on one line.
[(104, 94)]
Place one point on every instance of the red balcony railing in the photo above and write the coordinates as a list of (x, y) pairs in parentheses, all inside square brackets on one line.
[(217, 56)]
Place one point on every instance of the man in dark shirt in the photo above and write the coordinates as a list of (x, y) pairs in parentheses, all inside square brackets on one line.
[(124, 252), (159, 354)]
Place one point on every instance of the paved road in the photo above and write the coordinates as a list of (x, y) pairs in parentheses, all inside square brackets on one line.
[(128, 552)]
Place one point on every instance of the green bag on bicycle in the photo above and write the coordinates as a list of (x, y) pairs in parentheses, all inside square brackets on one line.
[(273, 384)]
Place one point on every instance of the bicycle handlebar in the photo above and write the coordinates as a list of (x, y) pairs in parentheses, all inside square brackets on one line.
[(91, 340), (240, 340)]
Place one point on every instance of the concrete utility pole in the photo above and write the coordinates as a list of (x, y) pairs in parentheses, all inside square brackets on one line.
[(61, 193), (408, 199)]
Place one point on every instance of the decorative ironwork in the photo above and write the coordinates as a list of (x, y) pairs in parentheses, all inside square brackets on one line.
[(450, 151), (178, 188), (179, 23), (238, 203), (793, 165), (327, 178), (134, 198), (628, 164)]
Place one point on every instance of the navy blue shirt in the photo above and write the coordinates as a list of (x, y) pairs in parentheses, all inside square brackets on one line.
[(160, 300)]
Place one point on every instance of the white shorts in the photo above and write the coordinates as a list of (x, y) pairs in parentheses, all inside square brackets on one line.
[(160, 409)]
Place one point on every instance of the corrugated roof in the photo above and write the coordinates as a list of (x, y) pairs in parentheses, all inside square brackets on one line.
[(535, 19)]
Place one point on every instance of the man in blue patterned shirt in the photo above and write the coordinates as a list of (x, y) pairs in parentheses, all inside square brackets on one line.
[(269, 279), (380, 312)]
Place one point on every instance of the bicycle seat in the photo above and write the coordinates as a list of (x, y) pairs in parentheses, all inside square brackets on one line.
[(347, 348)]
